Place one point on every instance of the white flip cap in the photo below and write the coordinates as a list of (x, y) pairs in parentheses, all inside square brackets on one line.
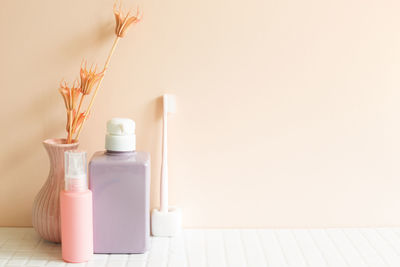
[(120, 135)]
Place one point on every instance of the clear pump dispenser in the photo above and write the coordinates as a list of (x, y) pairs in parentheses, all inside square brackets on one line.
[(75, 171)]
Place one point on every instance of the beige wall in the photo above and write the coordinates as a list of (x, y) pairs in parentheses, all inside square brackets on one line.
[(288, 111)]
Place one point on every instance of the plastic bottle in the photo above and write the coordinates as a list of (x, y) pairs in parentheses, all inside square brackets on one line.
[(120, 182), (76, 210)]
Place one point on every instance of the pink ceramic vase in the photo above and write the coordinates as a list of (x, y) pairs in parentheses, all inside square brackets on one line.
[(46, 207)]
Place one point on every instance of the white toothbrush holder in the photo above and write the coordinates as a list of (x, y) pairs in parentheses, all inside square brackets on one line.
[(166, 224)]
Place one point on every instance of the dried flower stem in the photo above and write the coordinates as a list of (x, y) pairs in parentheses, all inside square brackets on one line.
[(69, 112), (69, 137), (79, 109), (74, 124), (98, 86)]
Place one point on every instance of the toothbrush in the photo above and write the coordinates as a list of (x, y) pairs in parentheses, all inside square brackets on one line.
[(169, 107), (167, 221)]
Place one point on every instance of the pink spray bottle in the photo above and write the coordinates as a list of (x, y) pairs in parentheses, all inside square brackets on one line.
[(76, 210)]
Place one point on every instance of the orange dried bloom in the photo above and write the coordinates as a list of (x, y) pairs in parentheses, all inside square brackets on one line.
[(88, 79), (65, 93), (75, 92), (124, 21), (70, 95)]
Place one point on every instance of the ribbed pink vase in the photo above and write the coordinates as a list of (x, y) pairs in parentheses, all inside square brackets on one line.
[(46, 207)]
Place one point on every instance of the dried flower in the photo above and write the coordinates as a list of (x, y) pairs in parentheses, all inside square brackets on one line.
[(89, 78), (70, 95), (75, 92), (124, 21), (65, 93)]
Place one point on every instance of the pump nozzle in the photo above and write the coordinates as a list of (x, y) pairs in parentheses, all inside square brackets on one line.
[(75, 171)]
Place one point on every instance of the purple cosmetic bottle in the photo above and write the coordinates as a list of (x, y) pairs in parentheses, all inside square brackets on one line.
[(120, 182)]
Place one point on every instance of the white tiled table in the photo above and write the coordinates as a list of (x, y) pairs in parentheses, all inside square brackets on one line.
[(372, 247)]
